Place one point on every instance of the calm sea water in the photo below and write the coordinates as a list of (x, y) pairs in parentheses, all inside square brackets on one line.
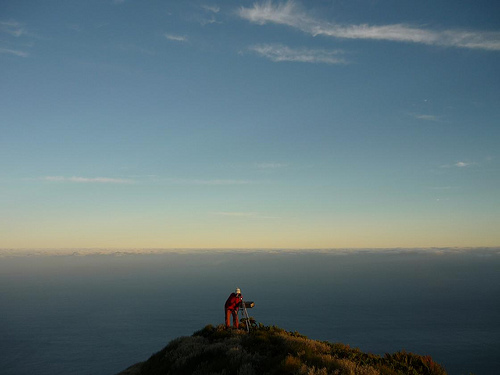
[(98, 314)]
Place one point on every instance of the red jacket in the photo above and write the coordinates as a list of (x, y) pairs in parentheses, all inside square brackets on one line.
[(233, 302)]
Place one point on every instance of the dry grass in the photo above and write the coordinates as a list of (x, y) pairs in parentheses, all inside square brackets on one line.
[(271, 350)]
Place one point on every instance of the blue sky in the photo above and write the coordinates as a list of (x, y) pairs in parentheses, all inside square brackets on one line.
[(255, 124)]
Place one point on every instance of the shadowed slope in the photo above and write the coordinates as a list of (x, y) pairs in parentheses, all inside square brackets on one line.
[(271, 350)]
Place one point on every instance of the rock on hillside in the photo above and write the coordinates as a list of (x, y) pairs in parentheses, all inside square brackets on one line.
[(271, 350)]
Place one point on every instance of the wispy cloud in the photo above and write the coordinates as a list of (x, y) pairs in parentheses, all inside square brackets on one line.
[(10, 32), (280, 53), (12, 28), (210, 11), (101, 180), (434, 251), (176, 38), (14, 52), (459, 164), (290, 13), (211, 8), (426, 117)]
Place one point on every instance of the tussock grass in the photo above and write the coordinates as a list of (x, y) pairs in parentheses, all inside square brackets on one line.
[(215, 350)]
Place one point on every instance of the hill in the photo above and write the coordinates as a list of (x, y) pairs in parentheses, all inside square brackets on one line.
[(271, 350)]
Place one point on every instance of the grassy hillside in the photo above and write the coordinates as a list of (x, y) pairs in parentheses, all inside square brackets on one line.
[(271, 350)]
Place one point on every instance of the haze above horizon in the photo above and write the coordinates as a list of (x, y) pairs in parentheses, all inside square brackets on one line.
[(249, 124)]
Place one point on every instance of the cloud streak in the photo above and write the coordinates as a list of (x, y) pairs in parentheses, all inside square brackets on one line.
[(14, 52), (12, 28), (78, 252), (281, 53), (10, 32), (291, 14), (459, 164), (211, 8), (100, 180), (426, 117), (176, 38)]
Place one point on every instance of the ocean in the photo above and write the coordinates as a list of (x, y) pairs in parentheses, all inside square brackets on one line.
[(97, 312)]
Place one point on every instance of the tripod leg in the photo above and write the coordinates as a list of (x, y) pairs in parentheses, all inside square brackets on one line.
[(247, 321)]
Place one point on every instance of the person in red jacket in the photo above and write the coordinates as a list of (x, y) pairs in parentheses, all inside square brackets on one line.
[(231, 308)]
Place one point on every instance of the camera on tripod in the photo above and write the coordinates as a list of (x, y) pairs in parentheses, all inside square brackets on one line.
[(247, 321)]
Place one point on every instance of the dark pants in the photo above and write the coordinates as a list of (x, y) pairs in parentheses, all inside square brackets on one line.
[(228, 314)]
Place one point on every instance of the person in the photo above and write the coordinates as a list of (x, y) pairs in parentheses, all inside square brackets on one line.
[(231, 308)]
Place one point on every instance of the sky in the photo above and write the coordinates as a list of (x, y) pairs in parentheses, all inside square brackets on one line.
[(249, 124)]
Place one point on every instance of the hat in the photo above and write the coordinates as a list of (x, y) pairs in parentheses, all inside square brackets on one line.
[(238, 291)]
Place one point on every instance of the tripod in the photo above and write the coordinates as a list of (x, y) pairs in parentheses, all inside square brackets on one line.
[(246, 319)]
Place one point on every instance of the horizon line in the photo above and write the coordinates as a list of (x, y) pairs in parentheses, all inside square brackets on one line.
[(80, 251)]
